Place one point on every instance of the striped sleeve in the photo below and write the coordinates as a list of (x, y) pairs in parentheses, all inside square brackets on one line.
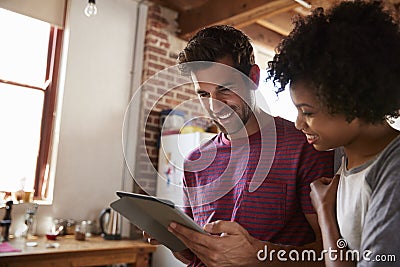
[(313, 165)]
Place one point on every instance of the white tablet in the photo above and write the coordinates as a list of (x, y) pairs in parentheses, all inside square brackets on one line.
[(153, 215)]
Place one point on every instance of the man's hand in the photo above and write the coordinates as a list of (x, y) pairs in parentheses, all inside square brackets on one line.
[(184, 256), (323, 193), (228, 244), (150, 239)]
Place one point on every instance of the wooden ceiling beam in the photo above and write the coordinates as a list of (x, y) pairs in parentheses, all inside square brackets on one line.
[(272, 26), (263, 36), (237, 13)]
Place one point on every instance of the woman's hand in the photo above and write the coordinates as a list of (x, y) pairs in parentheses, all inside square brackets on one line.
[(323, 194)]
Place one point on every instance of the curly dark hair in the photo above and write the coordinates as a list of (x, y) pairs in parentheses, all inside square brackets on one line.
[(216, 42), (350, 57)]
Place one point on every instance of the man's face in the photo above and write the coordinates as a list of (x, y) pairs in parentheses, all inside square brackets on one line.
[(225, 94)]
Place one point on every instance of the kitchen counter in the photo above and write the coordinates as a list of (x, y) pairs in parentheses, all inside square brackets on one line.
[(93, 251)]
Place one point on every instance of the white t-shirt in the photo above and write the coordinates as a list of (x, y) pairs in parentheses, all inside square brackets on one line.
[(353, 197), (368, 207)]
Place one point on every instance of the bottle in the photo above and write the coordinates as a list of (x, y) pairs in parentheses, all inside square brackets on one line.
[(6, 222), (30, 221)]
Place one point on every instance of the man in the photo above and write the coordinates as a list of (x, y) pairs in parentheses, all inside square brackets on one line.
[(252, 179)]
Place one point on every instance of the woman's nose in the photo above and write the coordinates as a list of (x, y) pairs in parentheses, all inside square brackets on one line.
[(300, 123)]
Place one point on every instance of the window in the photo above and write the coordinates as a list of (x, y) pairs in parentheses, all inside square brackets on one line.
[(29, 52), (277, 105), (281, 105)]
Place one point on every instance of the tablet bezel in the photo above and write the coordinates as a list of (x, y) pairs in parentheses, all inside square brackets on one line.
[(153, 215)]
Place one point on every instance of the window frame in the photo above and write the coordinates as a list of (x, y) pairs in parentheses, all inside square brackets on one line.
[(42, 182), (48, 116)]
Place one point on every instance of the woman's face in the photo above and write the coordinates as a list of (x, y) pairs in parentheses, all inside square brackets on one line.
[(323, 130)]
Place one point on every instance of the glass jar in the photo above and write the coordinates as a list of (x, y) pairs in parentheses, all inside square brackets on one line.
[(70, 229), (88, 226), (80, 233)]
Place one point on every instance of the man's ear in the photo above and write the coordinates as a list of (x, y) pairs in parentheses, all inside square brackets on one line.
[(254, 74)]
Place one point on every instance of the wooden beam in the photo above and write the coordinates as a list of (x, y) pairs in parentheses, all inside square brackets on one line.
[(180, 5), (263, 36), (272, 26), (237, 13)]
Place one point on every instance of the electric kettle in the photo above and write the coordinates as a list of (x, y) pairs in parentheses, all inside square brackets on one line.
[(110, 224)]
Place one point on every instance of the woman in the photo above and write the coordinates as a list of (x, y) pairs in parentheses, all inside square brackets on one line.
[(343, 68)]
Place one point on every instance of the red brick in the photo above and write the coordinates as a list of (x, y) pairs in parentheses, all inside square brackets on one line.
[(162, 107), (151, 143), (190, 91), (153, 97), (156, 66), (162, 91), (170, 94), (156, 82), (165, 44), (167, 61), (157, 18), (151, 40), (154, 113), (156, 50), (150, 72), (166, 76), (156, 33), (153, 57), (172, 101), (148, 88), (172, 86), (181, 81), (182, 96)]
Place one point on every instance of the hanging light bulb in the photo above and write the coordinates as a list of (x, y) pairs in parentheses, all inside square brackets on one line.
[(91, 9)]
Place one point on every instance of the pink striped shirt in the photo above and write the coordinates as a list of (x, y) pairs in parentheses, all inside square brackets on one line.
[(275, 210)]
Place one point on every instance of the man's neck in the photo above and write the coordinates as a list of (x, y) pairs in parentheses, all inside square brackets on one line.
[(257, 120)]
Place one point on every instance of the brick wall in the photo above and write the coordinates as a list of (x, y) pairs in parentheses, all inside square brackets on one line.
[(161, 90)]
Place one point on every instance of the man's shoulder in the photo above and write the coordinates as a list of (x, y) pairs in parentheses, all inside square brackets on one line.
[(289, 136), (209, 144), (287, 128)]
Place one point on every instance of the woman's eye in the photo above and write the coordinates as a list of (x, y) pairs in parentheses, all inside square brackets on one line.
[(307, 114)]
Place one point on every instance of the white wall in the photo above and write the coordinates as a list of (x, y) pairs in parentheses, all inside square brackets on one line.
[(47, 10), (90, 166)]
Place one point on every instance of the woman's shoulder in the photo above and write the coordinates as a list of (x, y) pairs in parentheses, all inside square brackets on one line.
[(386, 170)]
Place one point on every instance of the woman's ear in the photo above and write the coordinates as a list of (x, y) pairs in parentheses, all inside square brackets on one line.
[(254, 74)]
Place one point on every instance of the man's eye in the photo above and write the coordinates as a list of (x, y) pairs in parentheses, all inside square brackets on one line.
[(203, 95), (225, 90)]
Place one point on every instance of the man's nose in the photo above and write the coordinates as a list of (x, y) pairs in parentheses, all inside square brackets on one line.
[(216, 105)]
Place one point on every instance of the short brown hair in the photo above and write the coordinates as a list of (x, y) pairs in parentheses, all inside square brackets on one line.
[(216, 42)]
